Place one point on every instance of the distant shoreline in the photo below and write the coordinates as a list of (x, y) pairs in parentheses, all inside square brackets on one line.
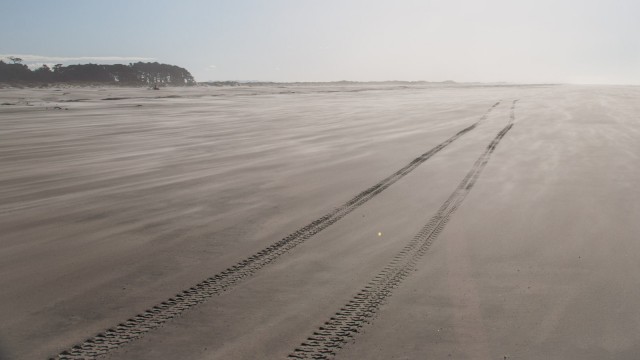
[(80, 84)]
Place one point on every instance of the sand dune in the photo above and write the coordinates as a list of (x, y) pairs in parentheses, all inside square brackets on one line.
[(355, 221)]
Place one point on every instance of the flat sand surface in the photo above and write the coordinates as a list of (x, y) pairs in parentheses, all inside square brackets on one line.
[(114, 200)]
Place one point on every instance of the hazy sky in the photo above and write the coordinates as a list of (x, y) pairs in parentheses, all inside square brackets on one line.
[(578, 41)]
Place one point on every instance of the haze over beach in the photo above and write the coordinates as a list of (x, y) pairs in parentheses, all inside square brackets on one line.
[(319, 180), (487, 41)]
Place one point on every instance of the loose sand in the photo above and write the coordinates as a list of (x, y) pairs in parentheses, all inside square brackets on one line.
[(115, 200)]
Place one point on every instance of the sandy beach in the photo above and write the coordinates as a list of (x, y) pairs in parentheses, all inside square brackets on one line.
[(353, 221)]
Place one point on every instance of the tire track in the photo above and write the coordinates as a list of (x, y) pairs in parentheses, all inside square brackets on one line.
[(155, 317), (344, 324)]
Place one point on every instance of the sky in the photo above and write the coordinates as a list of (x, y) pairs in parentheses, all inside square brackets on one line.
[(519, 41)]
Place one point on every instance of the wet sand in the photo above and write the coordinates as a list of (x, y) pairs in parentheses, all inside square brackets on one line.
[(115, 200)]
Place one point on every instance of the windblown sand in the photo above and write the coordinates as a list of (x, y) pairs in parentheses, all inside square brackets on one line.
[(115, 200)]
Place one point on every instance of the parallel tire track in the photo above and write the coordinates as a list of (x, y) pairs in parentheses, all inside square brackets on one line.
[(344, 324), (153, 318)]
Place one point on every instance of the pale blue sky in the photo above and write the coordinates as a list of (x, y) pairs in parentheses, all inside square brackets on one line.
[(589, 41)]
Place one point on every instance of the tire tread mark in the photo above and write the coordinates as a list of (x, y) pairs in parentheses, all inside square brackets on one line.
[(347, 322), (512, 114), (137, 326)]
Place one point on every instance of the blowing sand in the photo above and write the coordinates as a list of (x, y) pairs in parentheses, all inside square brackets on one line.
[(355, 222)]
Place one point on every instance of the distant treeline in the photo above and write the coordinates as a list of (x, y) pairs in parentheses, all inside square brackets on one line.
[(135, 74)]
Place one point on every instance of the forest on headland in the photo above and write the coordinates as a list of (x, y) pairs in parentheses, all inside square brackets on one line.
[(133, 74)]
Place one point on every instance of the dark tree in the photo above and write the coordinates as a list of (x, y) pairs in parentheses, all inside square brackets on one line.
[(43, 74), (123, 74), (162, 74), (149, 74), (14, 72), (87, 73), (15, 60)]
